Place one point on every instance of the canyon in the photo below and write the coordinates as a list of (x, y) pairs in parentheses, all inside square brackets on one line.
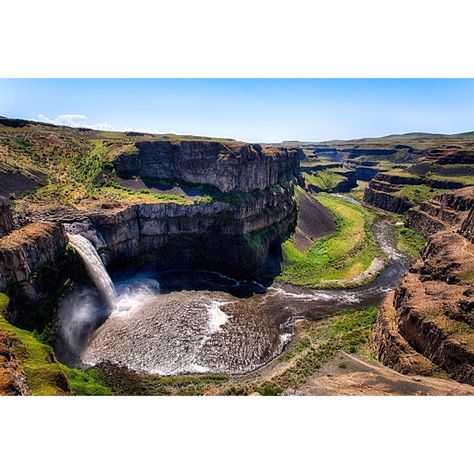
[(425, 326), (235, 268)]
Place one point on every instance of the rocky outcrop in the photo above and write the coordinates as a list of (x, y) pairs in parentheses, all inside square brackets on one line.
[(448, 211), (30, 263), (234, 230), (430, 314), (25, 251), (219, 235), (392, 349), (382, 194), (12, 378), (366, 173), (417, 180), (350, 182), (346, 152), (229, 165), (6, 220), (467, 228), (384, 188)]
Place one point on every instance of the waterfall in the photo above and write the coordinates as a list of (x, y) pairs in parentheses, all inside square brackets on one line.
[(95, 268)]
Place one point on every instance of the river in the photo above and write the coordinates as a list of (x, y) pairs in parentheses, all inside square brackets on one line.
[(177, 322)]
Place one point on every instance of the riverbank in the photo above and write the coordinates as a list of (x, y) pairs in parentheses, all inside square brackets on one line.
[(329, 357), (348, 256)]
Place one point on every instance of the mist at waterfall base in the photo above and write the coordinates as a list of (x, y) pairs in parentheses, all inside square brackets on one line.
[(83, 310), (184, 321), (174, 329)]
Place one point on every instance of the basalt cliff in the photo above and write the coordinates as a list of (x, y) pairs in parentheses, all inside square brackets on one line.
[(230, 166), (426, 327), (398, 192), (199, 203), (166, 202)]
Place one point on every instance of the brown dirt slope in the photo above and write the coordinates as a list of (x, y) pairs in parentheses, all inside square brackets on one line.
[(352, 375), (430, 314), (314, 221)]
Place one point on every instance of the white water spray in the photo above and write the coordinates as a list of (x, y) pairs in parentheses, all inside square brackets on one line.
[(95, 268)]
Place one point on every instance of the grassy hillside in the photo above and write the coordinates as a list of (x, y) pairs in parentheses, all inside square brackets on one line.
[(43, 375), (408, 241), (52, 164), (325, 180), (341, 255), (416, 140)]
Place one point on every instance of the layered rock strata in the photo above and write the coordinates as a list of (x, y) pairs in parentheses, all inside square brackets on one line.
[(231, 236), (235, 232), (382, 194), (427, 324), (230, 166), (24, 252), (6, 220), (383, 190), (448, 211)]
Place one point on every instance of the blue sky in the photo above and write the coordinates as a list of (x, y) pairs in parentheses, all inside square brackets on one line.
[(255, 110)]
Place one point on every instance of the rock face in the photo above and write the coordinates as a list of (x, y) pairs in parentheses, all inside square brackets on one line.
[(393, 350), (381, 193), (467, 228), (427, 324), (227, 165), (236, 231), (27, 250), (6, 220), (447, 212), (235, 237), (350, 182), (31, 263), (366, 173), (233, 233), (356, 152), (12, 378)]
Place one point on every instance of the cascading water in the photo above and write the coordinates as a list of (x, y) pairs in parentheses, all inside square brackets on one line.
[(186, 321), (95, 268)]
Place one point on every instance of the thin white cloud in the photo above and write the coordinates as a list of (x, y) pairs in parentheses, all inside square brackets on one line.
[(75, 120), (80, 120)]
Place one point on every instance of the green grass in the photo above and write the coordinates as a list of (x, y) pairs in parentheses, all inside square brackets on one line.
[(404, 173), (317, 343), (342, 254), (115, 191), (416, 194), (463, 179), (254, 239), (129, 383), (70, 160), (408, 241), (347, 331), (86, 382), (85, 169), (325, 180), (43, 375)]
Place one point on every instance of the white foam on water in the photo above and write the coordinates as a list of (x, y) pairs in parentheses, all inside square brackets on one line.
[(318, 295), (217, 317), (196, 368), (132, 294)]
